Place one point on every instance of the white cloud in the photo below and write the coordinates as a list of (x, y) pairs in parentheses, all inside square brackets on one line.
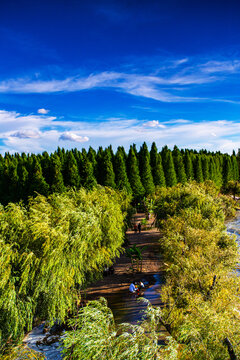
[(26, 134), (154, 123), (43, 111), (214, 66), (68, 136), (37, 133)]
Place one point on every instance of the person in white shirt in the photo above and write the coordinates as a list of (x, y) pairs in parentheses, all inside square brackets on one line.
[(132, 288)]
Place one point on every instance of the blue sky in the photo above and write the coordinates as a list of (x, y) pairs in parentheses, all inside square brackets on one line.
[(90, 73)]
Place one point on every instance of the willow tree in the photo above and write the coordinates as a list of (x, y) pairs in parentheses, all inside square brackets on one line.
[(200, 294), (52, 250)]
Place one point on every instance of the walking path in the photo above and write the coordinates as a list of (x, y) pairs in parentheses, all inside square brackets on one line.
[(122, 277), (115, 287)]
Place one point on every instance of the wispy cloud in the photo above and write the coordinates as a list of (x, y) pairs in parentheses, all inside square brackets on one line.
[(73, 137), (173, 84)]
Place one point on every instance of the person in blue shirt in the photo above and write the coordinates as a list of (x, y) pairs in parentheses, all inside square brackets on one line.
[(132, 288)]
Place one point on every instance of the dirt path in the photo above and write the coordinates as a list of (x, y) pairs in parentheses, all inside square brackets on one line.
[(122, 277)]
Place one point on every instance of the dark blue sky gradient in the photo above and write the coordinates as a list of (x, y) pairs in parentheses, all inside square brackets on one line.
[(50, 41)]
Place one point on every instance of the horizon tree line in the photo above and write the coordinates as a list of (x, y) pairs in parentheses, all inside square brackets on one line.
[(137, 172)]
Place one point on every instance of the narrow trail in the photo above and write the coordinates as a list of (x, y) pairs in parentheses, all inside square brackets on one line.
[(123, 276), (115, 287)]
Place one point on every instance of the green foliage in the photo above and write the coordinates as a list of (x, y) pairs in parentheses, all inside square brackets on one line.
[(108, 176), (135, 254), (22, 353), (157, 168), (133, 175), (96, 336), (52, 250), (201, 291), (71, 173), (232, 187), (138, 173), (168, 165), (122, 182), (145, 170)]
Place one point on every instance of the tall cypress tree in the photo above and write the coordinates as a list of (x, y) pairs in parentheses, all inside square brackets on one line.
[(108, 176), (157, 168), (88, 179), (145, 170), (227, 169), (179, 166), (168, 166), (56, 176), (45, 164), (205, 167), (71, 174), (92, 158), (188, 166), (37, 182), (133, 175), (99, 167), (198, 169), (121, 177), (23, 180), (235, 169)]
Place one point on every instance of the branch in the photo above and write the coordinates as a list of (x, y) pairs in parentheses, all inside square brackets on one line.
[(230, 349)]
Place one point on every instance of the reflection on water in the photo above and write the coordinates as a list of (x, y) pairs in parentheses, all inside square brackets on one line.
[(127, 308), (233, 227)]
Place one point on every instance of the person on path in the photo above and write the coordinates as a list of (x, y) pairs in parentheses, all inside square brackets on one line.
[(132, 288), (139, 227)]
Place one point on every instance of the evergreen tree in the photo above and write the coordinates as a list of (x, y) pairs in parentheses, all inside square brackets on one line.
[(198, 169), (227, 169), (179, 166), (37, 182), (108, 176), (99, 168), (45, 164), (235, 169), (205, 167), (71, 174), (168, 166), (88, 179), (145, 170), (56, 177), (188, 166), (92, 158), (121, 179), (23, 181), (133, 175), (157, 168)]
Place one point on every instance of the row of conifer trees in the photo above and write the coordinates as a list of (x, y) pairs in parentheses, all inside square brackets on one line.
[(138, 172)]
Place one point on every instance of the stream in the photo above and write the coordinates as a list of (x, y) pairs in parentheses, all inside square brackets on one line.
[(126, 308)]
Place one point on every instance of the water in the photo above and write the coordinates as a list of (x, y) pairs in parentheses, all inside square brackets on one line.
[(233, 228), (51, 352), (125, 307)]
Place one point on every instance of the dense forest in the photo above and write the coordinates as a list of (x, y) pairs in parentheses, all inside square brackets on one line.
[(138, 172)]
